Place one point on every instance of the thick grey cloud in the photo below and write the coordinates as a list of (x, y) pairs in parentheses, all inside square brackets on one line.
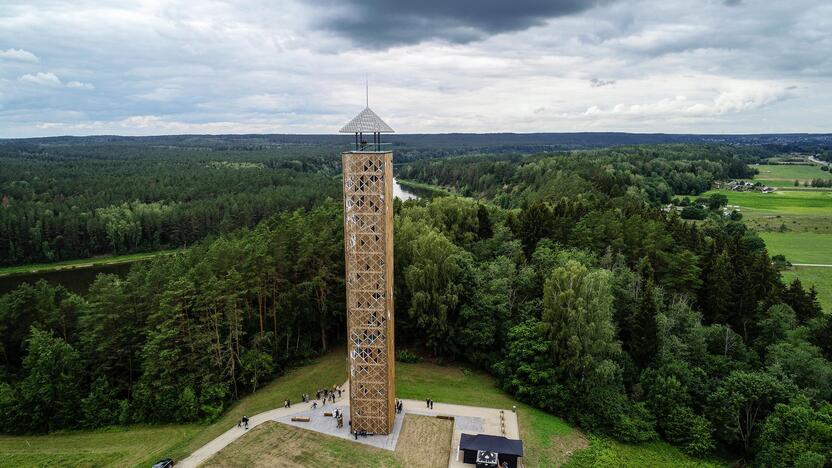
[(383, 23), (243, 66)]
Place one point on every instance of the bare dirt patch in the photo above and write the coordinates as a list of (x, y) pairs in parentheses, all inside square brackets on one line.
[(425, 441), (563, 447)]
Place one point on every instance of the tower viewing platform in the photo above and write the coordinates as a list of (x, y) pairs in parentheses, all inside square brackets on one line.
[(367, 122)]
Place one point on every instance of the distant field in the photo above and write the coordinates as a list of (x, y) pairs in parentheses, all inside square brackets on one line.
[(819, 277), (800, 247), (797, 224), (787, 211), (785, 175), (805, 248), (783, 202)]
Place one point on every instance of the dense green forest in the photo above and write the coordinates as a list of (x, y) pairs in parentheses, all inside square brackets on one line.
[(565, 280), (63, 202)]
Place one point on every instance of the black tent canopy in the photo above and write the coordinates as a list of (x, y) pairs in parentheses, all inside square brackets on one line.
[(508, 449)]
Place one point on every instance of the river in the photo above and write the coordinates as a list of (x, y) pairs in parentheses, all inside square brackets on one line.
[(79, 279), (75, 279), (402, 193)]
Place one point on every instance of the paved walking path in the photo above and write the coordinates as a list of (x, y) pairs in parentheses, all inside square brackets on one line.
[(467, 419), (813, 265), (208, 450)]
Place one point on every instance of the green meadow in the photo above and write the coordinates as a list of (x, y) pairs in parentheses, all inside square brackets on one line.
[(800, 247), (783, 202), (819, 277), (784, 175), (795, 222)]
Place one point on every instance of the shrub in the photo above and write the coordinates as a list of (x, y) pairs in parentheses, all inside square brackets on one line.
[(693, 212), (406, 356)]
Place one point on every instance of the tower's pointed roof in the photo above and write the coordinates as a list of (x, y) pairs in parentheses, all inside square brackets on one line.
[(366, 122)]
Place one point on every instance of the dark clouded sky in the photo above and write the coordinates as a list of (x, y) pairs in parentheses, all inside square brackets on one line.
[(261, 66)]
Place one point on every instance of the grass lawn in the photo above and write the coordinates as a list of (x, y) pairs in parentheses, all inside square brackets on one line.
[(819, 277), (117, 447), (800, 247), (785, 175), (82, 263), (142, 445), (797, 224), (275, 444), (424, 441), (782, 202)]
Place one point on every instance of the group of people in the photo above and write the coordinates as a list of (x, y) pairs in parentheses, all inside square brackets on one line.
[(324, 394), (429, 403), (287, 403), (339, 418)]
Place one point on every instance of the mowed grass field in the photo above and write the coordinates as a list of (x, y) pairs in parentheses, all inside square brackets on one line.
[(783, 202), (794, 223), (275, 444), (424, 442), (819, 277), (800, 247), (784, 175)]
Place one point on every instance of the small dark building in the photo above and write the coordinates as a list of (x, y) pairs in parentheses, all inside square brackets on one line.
[(480, 450)]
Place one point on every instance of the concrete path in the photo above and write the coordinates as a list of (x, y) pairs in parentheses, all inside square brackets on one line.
[(208, 450), (327, 425), (812, 265)]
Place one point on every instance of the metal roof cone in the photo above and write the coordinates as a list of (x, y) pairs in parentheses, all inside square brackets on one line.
[(366, 122)]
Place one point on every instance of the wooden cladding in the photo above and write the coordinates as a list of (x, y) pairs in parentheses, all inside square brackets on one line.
[(368, 247)]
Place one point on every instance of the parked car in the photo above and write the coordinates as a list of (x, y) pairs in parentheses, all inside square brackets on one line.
[(166, 463)]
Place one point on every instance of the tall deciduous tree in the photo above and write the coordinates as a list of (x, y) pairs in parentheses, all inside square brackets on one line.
[(50, 393), (742, 401)]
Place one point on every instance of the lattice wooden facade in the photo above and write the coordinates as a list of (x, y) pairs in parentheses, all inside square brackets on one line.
[(368, 246)]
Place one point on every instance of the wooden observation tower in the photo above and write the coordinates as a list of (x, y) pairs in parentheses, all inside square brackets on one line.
[(368, 247)]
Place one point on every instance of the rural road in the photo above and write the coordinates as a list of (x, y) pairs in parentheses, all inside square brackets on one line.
[(818, 161)]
